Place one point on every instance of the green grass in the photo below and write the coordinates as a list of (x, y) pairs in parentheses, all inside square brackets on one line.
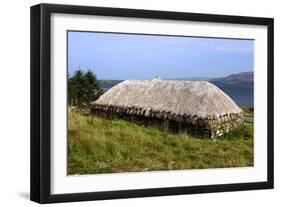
[(249, 111), (97, 145)]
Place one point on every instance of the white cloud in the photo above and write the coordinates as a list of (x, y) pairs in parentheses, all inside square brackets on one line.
[(233, 49)]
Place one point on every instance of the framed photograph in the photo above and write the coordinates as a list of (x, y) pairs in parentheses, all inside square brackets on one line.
[(133, 103)]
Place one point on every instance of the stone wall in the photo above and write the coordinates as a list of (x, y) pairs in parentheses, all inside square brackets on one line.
[(212, 126)]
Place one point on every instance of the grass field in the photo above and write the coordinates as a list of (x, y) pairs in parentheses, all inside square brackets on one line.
[(97, 145)]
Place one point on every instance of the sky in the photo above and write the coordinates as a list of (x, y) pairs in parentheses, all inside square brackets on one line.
[(115, 56)]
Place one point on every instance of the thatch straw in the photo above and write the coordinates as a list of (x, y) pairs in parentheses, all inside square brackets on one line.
[(194, 102)]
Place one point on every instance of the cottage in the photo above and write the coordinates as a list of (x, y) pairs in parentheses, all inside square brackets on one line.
[(195, 106)]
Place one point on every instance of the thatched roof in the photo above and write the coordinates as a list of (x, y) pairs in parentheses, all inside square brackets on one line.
[(199, 99)]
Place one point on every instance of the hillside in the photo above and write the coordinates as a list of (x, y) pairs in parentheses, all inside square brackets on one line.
[(106, 84), (233, 79), (98, 145), (239, 78)]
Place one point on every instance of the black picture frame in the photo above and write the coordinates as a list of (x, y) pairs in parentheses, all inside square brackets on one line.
[(40, 103)]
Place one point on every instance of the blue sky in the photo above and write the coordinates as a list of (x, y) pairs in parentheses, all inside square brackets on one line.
[(127, 56)]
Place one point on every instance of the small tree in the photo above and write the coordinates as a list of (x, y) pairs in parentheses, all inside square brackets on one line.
[(93, 91), (79, 84), (83, 88)]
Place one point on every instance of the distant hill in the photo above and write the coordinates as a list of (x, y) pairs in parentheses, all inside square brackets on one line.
[(239, 78), (106, 84), (244, 78)]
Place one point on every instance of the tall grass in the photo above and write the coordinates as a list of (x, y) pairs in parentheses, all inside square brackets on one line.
[(97, 145)]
